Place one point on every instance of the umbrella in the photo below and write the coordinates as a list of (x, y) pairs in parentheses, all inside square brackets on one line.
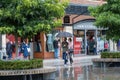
[(64, 34)]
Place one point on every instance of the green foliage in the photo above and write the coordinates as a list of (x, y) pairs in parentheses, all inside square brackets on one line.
[(110, 55), (27, 17), (108, 16), (20, 65)]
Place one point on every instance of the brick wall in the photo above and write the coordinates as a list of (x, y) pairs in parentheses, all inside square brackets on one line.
[(84, 2)]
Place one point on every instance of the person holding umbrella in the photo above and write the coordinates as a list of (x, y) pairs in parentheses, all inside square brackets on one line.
[(65, 50)]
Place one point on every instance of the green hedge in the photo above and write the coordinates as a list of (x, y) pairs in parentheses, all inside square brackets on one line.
[(110, 55), (21, 64)]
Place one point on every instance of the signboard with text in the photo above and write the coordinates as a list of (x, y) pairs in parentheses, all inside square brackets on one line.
[(77, 45)]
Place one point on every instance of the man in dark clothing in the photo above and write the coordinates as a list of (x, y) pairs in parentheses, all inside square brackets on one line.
[(55, 45), (9, 49)]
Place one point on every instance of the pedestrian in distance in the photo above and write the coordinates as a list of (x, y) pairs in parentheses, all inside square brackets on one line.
[(9, 49), (59, 47), (70, 48), (65, 50), (26, 49), (55, 45)]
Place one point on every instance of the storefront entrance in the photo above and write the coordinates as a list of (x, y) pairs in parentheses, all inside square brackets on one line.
[(86, 37)]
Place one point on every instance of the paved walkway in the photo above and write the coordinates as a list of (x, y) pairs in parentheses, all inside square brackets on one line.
[(76, 60)]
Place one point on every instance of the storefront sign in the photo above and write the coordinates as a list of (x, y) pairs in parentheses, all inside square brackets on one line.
[(77, 46), (79, 39)]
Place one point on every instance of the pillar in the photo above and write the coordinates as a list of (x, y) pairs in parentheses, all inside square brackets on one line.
[(85, 42)]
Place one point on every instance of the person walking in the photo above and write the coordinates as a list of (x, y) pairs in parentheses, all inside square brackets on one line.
[(26, 49), (55, 45), (59, 47), (9, 49), (65, 50), (118, 45), (70, 48)]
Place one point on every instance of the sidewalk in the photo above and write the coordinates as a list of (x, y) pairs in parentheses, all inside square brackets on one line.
[(77, 60)]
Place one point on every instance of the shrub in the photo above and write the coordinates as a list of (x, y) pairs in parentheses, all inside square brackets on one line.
[(21, 64), (110, 55)]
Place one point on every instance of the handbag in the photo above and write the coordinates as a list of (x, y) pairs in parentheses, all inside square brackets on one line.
[(70, 50), (28, 49)]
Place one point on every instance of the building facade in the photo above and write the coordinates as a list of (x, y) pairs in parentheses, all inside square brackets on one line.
[(77, 21), (87, 37)]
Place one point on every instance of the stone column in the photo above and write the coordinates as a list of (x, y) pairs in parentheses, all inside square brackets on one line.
[(31, 50), (2, 45), (85, 42), (96, 33), (4, 41), (111, 45)]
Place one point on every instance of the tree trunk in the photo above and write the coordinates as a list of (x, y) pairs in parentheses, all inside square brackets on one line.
[(16, 45)]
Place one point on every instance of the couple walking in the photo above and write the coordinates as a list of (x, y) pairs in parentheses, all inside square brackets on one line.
[(67, 48)]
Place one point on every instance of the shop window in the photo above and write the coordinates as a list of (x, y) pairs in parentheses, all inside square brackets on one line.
[(79, 33), (37, 43), (90, 33), (79, 42), (49, 42)]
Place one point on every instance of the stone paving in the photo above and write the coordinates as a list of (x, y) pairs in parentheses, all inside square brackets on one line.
[(76, 60), (82, 69)]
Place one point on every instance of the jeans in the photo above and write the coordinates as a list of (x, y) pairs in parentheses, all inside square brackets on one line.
[(9, 55), (70, 57), (95, 52), (56, 53), (65, 57)]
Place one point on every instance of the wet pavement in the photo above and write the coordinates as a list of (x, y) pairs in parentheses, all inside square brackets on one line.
[(84, 70)]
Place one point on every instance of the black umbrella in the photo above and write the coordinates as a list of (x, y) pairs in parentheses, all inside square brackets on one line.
[(64, 34)]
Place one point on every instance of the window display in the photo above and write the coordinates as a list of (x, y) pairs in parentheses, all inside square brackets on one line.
[(37, 43), (49, 42), (79, 47)]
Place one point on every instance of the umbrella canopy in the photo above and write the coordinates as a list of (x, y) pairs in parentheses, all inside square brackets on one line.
[(64, 34)]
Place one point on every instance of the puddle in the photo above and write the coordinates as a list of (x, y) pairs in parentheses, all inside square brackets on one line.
[(87, 73)]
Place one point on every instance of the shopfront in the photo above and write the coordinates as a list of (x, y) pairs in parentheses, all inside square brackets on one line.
[(87, 38), (43, 44)]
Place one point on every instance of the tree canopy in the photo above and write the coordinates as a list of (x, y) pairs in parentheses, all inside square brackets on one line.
[(108, 16), (25, 18)]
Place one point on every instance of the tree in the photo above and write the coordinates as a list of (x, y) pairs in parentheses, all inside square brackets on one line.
[(25, 18), (108, 16)]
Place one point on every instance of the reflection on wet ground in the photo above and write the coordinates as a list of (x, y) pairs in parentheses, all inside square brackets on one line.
[(86, 72)]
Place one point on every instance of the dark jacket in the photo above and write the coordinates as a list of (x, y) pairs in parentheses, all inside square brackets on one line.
[(55, 44), (9, 47), (25, 49)]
